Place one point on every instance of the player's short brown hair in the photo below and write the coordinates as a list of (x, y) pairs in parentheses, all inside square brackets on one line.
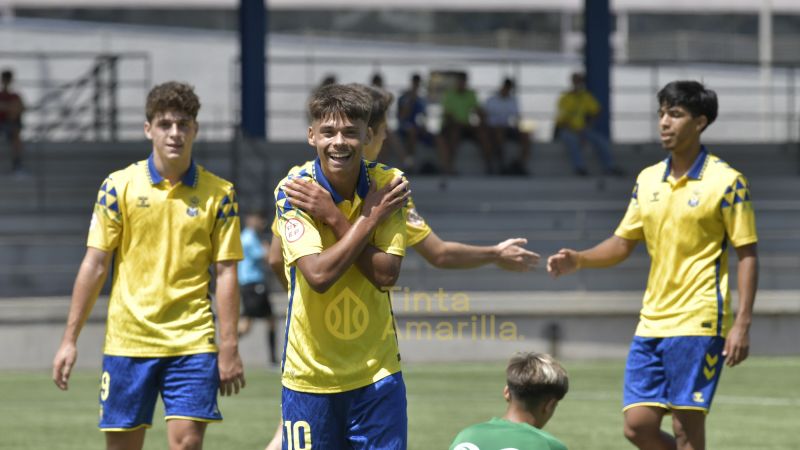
[(340, 100), (172, 96), (535, 377)]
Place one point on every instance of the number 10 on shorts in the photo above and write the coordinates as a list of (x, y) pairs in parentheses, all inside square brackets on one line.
[(297, 435)]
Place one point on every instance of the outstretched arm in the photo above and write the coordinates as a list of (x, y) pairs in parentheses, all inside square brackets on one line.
[(737, 344), (321, 270), (381, 268), (608, 253), (508, 255), (91, 276)]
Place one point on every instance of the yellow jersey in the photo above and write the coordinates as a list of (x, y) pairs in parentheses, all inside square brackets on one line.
[(574, 107), (417, 229), (344, 338), (165, 238), (687, 224)]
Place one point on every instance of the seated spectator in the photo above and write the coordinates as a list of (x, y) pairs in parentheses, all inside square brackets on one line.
[(502, 118), (577, 108), (535, 384), (411, 122), (463, 118), (11, 109)]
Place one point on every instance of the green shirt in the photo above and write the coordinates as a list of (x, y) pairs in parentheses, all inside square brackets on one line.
[(499, 434), (460, 104)]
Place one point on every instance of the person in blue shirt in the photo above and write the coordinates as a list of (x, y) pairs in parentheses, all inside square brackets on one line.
[(253, 279)]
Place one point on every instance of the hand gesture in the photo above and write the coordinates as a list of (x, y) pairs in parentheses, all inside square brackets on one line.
[(565, 262), (63, 362), (381, 203), (513, 257), (311, 198)]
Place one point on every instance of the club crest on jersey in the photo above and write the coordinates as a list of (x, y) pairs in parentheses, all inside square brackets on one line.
[(293, 230), (694, 200)]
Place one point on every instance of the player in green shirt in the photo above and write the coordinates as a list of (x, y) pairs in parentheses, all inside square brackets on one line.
[(535, 384)]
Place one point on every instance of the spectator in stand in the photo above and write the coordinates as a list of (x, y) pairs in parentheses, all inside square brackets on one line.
[(411, 122), (503, 120), (463, 118), (11, 109), (577, 108)]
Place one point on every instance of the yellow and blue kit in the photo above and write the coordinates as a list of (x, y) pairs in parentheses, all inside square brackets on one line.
[(344, 338), (688, 226), (165, 238)]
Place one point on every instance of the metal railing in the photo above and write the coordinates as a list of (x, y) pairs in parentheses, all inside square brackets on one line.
[(95, 96)]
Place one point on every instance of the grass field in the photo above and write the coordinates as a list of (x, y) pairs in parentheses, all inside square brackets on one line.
[(756, 408)]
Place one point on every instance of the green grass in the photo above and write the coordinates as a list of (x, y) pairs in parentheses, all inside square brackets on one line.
[(755, 408)]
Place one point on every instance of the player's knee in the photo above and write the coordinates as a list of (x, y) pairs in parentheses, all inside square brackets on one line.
[(187, 442), (638, 432)]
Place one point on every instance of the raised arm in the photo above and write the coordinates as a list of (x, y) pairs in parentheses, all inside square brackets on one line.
[(231, 372), (321, 270), (608, 253), (91, 276), (737, 344), (508, 255)]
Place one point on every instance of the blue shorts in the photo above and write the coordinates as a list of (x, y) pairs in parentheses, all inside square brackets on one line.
[(129, 388), (673, 373), (372, 417)]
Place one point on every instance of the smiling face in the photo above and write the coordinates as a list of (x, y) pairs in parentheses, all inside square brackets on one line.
[(339, 142), (678, 129), (173, 134)]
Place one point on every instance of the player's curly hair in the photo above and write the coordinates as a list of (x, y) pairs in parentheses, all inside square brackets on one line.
[(534, 377), (381, 99), (172, 96), (340, 100)]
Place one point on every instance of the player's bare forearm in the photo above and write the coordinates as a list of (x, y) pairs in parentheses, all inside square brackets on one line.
[(737, 343), (508, 255), (747, 279), (91, 276), (275, 259), (227, 296), (90, 279), (322, 270), (608, 253), (380, 268), (231, 371), (454, 255)]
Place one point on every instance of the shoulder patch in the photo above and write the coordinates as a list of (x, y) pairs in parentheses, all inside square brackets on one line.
[(293, 230)]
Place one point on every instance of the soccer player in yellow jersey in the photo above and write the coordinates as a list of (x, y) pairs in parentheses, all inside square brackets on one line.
[(342, 386), (317, 202), (163, 221), (689, 209), (508, 254)]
